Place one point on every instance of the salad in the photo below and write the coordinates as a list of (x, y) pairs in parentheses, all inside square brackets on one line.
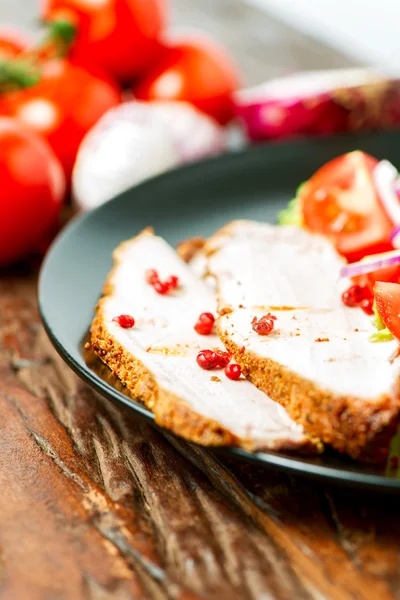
[(354, 200)]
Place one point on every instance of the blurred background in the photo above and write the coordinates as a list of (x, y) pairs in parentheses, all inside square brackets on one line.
[(360, 31), (104, 94), (271, 37), (363, 30)]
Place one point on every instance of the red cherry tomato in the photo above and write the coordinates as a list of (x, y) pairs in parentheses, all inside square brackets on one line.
[(31, 191), (387, 298), (391, 274), (341, 201), (199, 72), (12, 43), (63, 106), (120, 36)]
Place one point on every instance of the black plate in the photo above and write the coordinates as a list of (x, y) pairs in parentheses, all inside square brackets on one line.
[(186, 202)]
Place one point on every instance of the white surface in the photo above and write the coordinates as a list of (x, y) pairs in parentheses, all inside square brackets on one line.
[(365, 30), (164, 340), (262, 268)]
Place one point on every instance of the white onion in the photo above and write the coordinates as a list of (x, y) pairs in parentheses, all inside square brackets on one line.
[(138, 140)]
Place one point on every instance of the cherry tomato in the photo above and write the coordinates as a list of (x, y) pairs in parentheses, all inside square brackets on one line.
[(12, 43), (341, 201), (391, 274), (121, 36), (31, 192), (387, 298), (63, 106), (388, 274), (199, 72)]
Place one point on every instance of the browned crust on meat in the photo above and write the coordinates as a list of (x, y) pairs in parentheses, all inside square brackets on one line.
[(170, 410), (352, 425), (189, 248)]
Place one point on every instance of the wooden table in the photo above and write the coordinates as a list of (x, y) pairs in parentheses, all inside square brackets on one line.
[(97, 504)]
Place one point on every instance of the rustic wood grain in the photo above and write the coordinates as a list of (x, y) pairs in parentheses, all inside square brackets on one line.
[(97, 504), (102, 499)]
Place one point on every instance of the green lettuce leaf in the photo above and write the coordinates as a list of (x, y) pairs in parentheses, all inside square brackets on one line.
[(291, 215), (377, 320), (383, 334)]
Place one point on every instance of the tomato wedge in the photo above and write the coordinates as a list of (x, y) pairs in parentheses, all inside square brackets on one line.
[(387, 298), (341, 202)]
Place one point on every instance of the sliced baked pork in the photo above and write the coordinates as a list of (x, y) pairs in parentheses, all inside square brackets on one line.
[(156, 358), (318, 361)]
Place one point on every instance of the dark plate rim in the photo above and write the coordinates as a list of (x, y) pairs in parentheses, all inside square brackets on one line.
[(294, 465)]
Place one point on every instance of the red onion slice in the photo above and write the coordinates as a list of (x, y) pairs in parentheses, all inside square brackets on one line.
[(371, 264), (320, 103), (395, 237)]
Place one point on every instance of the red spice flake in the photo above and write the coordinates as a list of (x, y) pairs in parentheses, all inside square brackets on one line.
[(322, 340), (233, 371), (210, 359), (205, 324), (207, 359), (125, 321), (172, 282), (366, 306), (223, 358), (265, 325), (355, 294), (151, 276), (161, 287)]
